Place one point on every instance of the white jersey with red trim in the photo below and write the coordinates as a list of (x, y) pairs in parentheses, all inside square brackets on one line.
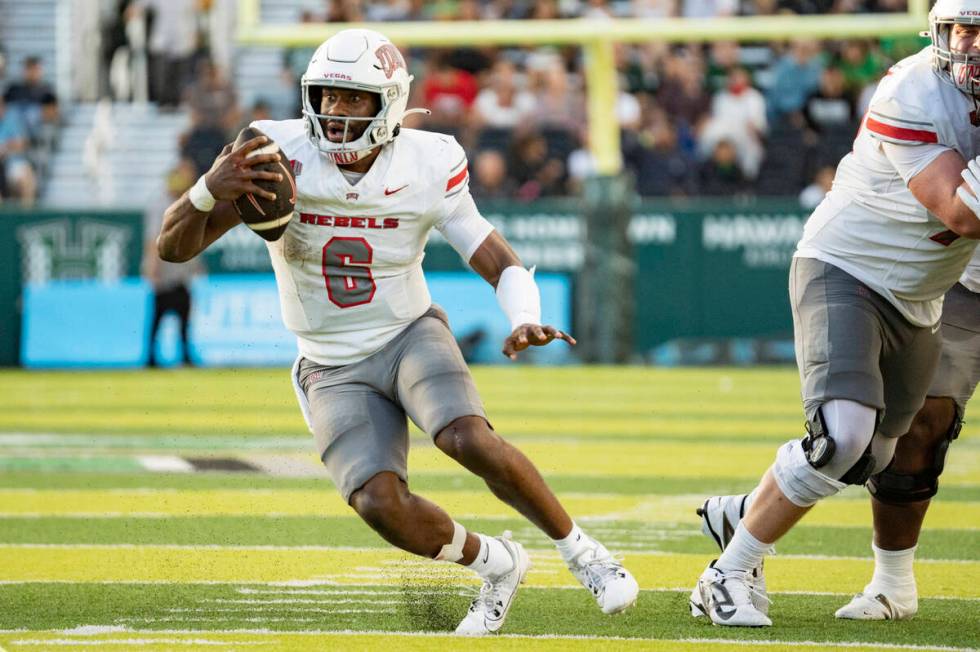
[(971, 276), (349, 267), (870, 224)]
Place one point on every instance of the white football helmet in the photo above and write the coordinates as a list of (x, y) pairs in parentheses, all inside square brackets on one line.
[(357, 59), (960, 69)]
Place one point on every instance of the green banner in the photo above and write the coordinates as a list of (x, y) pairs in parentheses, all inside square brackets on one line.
[(702, 269), (39, 246)]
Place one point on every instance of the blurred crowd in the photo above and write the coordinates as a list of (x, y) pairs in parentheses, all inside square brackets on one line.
[(713, 119), (29, 121)]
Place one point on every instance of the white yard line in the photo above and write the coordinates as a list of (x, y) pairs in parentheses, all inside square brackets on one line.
[(516, 637)]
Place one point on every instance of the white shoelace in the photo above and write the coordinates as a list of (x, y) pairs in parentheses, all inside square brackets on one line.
[(599, 569), (743, 579)]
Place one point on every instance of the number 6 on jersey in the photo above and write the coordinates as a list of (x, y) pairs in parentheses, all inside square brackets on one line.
[(347, 271)]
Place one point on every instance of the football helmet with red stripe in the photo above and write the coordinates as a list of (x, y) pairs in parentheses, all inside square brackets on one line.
[(956, 61), (356, 59)]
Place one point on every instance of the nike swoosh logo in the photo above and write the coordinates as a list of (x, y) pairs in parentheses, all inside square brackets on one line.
[(486, 557), (392, 192), (727, 531)]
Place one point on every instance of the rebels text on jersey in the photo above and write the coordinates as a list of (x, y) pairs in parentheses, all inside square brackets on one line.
[(870, 224), (349, 267)]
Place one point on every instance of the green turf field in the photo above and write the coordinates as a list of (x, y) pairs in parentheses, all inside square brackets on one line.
[(185, 510)]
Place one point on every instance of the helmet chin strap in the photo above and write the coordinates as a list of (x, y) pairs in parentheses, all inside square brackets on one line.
[(346, 158)]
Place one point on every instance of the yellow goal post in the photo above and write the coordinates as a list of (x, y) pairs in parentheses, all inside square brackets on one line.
[(596, 38)]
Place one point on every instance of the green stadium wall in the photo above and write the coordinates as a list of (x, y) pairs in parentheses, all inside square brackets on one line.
[(703, 269)]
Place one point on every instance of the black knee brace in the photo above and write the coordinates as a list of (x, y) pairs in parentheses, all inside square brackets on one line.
[(820, 447), (900, 488)]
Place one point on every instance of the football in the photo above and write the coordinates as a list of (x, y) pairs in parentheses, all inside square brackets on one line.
[(266, 217)]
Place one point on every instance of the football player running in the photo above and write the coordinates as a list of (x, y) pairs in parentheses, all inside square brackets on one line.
[(373, 348), (901, 493), (867, 281)]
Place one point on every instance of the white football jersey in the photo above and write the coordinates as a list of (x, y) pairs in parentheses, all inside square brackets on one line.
[(349, 267), (971, 277), (869, 224)]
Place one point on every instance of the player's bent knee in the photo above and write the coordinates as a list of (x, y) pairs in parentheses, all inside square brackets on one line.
[(467, 438), (837, 451), (799, 481), (379, 499), (839, 440), (914, 474)]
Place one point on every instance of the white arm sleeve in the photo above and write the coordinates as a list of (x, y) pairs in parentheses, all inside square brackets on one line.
[(465, 229), (518, 296), (910, 160)]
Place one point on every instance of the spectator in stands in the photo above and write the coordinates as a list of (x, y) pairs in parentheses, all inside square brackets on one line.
[(489, 179), (44, 138), (720, 175), (722, 57), (638, 67), (24, 96), (794, 77), (814, 193), (708, 8), (660, 167), (19, 179), (759, 8), (545, 10), (32, 87), (738, 117), (830, 108), (202, 144), (597, 9), (173, 41), (860, 64), (812, 6), (559, 101), (344, 11), (653, 8), (682, 94), (449, 93), (170, 281), (260, 111), (212, 99), (388, 10), (503, 103), (214, 116), (535, 170)]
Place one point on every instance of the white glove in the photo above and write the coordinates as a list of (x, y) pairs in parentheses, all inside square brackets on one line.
[(971, 175)]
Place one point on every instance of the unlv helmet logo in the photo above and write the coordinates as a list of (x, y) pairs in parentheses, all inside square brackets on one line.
[(390, 59)]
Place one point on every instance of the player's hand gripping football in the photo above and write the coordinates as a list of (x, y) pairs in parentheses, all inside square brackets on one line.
[(527, 335), (231, 175)]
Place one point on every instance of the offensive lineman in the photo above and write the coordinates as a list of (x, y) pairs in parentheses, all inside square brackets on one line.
[(373, 347), (866, 287), (901, 493)]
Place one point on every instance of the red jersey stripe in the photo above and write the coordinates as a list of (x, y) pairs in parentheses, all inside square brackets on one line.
[(456, 180), (899, 133)]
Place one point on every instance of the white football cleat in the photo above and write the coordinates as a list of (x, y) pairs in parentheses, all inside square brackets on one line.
[(720, 515), (612, 586), (727, 598), (489, 610), (759, 595), (872, 604)]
